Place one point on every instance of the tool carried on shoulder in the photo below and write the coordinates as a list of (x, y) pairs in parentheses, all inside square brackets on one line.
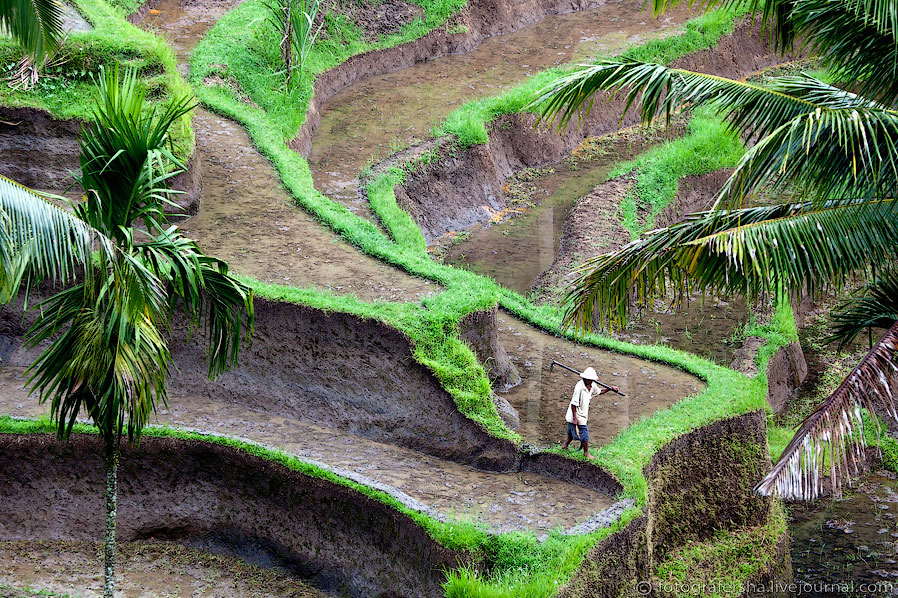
[(570, 369)]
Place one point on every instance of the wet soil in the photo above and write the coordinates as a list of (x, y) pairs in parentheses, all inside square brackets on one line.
[(849, 541), (38, 151), (543, 395), (505, 502), (182, 23), (246, 217), (381, 114), (145, 570), (520, 246)]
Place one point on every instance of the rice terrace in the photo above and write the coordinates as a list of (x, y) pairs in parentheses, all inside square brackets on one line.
[(448, 298)]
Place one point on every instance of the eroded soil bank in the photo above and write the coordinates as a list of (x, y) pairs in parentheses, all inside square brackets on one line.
[(144, 570), (373, 117), (200, 493)]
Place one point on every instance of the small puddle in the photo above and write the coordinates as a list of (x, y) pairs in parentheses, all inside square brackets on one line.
[(246, 217), (850, 541), (381, 114), (543, 395)]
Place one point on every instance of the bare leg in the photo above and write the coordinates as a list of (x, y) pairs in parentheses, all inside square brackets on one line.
[(585, 446), (567, 442)]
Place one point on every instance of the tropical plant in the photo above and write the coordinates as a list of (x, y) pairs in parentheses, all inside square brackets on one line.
[(35, 24), (294, 22), (105, 351), (831, 149)]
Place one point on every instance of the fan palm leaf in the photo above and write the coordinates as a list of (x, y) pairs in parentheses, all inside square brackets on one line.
[(829, 443)]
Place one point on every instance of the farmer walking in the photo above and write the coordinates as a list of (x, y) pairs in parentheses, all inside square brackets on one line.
[(578, 409)]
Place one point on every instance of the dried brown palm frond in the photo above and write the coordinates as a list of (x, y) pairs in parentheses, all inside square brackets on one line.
[(829, 445)]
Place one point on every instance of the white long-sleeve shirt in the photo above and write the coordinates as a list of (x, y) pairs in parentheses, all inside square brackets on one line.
[(581, 400)]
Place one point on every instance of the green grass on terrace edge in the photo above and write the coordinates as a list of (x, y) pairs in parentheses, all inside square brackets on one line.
[(728, 393), (518, 556), (468, 124), (66, 91)]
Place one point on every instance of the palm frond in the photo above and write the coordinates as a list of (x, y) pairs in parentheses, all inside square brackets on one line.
[(844, 152), (755, 110), (124, 156), (119, 369), (41, 240), (775, 20), (35, 24), (210, 298), (748, 251), (876, 308), (829, 443), (856, 39)]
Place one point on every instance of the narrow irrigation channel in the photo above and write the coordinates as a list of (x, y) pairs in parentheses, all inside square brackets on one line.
[(378, 115)]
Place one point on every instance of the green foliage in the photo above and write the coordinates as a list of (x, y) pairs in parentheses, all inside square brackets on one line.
[(115, 315), (468, 123), (67, 93), (294, 23), (721, 566), (709, 145), (36, 25), (237, 43)]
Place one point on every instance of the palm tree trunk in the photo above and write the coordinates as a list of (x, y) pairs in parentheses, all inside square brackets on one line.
[(110, 457)]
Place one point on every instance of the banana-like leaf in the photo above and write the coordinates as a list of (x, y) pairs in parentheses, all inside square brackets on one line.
[(748, 251), (829, 444)]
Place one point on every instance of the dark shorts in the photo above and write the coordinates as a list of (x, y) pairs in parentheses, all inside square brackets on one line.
[(584, 432)]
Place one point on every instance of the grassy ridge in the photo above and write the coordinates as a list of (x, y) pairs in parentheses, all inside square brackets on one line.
[(709, 145), (468, 124), (66, 90), (526, 568)]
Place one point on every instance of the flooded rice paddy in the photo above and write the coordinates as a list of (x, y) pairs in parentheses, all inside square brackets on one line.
[(502, 501), (378, 115), (848, 546), (543, 394)]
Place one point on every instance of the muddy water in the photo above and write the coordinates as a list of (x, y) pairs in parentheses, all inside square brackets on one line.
[(513, 501), (516, 250), (145, 570), (543, 395), (378, 115), (848, 541), (246, 217)]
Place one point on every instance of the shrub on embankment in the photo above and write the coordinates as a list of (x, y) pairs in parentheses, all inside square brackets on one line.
[(66, 89)]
